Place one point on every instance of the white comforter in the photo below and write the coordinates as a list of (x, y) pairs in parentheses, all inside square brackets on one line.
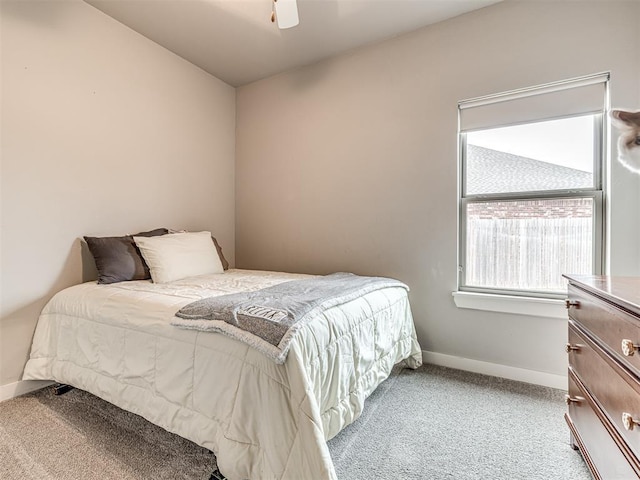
[(262, 420)]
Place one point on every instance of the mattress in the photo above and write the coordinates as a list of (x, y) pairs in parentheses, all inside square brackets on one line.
[(262, 420)]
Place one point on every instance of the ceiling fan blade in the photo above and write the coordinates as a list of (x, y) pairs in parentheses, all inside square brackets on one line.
[(287, 13)]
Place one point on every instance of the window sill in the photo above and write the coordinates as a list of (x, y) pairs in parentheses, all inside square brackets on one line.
[(537, 307)]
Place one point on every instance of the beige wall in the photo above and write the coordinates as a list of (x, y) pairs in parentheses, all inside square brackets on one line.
[(350, 164), (103, 133)]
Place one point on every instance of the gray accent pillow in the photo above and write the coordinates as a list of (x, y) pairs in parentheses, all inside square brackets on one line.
[(225, 264), (118, 258)]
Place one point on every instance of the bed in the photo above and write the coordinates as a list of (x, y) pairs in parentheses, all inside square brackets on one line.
[(263, 420)]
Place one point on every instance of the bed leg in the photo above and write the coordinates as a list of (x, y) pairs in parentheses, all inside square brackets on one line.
[(61, 388), (216, 475)]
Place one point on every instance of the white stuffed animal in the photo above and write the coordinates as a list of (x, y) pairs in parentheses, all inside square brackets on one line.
[(629, 140)]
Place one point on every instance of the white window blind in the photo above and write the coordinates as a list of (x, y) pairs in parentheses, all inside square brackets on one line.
[(574, 97)]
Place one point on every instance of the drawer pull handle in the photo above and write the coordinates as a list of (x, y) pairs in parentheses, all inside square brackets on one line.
[(628, 421), (628, 347), (568, 399), (571, 348), (571, 303)]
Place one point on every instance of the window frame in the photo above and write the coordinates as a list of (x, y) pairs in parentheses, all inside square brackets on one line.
[(596, 192)]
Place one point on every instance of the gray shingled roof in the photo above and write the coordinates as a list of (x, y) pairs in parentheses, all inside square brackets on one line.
[(492, 171)]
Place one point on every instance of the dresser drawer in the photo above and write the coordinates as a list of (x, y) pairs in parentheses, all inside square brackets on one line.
[(606, 322), (614, 389), (603, 456)]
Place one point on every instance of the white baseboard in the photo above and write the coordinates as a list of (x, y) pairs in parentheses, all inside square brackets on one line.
[(16, 389), (496, 370)]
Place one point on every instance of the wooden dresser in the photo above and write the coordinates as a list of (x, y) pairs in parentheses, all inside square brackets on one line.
[(604, 374)]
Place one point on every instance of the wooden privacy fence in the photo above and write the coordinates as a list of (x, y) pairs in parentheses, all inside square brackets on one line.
[(527, 253)]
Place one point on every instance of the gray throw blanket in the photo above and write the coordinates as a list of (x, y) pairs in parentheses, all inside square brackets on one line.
[(268, 319)]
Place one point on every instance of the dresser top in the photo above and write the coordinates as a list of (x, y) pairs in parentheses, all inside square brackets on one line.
[(622, 291)]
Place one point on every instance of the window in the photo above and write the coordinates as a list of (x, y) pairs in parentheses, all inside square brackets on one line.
[(531, 187)]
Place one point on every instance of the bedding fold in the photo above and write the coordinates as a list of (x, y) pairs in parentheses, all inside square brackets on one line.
[(268, 319)]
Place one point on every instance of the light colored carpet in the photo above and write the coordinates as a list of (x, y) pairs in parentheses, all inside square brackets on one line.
[(436, 423), (430, 424), (79, 436)]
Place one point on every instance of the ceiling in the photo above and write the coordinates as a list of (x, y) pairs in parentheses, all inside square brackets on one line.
[(235, 40)]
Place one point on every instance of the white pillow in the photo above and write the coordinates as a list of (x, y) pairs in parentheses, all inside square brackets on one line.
[(179, 255)]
